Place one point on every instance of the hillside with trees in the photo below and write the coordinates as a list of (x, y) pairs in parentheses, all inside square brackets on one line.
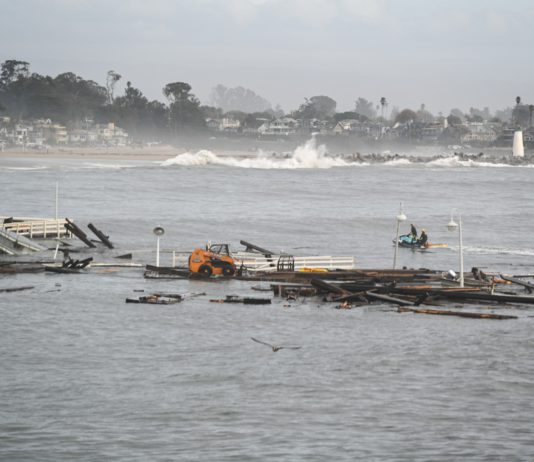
[(75, 103)]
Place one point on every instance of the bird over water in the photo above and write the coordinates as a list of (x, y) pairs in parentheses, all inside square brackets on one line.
[(275, 348)]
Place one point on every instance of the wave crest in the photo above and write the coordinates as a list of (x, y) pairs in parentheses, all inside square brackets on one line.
[(308, 155)]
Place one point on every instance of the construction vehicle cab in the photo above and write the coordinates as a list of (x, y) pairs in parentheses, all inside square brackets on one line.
[(209, 263), (219, 249)]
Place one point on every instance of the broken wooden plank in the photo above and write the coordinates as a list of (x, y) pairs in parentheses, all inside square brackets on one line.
[(389, 299), (328, 287), (126, 256), (251, 247), (74, 229), (352, 297), (463, 314), (166, 272), (105, 239), (500, 298), (16, 289), (526, 285), (157, 299), (244, 300)]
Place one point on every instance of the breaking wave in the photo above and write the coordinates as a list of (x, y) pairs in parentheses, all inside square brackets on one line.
[(309, 155)]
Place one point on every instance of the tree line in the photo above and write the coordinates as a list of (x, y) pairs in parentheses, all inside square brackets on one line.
[(73, 101)]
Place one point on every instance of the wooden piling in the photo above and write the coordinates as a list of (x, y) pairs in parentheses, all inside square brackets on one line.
[(74, 229), (105, 239)]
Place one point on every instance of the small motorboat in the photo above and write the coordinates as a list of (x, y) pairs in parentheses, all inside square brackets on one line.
[(407, 240)]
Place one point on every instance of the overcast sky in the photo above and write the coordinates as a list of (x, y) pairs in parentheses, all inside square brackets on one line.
[(444, 54)]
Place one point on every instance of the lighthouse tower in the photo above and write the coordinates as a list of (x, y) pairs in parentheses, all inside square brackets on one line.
[(518, 149)]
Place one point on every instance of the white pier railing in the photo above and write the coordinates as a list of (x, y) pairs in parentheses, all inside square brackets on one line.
[(256, 262), (36, 227)]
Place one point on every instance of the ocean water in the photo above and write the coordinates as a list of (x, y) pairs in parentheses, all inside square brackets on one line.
[(85, 376)]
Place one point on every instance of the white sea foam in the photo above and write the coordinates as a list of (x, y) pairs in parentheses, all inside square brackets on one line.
[(309, 155), (495, 250), (395, 162), (107, 166), (313, 156), (454, 161), (24, 168)]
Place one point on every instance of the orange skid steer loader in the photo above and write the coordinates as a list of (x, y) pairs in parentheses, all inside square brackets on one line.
[(209, 263)]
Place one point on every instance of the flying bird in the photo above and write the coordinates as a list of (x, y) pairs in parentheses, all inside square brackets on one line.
[(275, 348)]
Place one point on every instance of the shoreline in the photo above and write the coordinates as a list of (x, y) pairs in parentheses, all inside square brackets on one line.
[(156, 153), (166, 152)]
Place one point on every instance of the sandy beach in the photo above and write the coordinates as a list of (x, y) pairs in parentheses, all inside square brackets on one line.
[(151, 153)]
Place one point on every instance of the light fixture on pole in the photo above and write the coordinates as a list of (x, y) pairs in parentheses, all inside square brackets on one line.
[(453, 226), (57, 200), (400, 218), (158, 231)]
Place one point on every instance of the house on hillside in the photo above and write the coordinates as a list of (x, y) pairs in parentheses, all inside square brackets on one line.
[(285, 126), (111, 135), (49, 132), (431, 132), (229, 125), (83, 137), (213, 124), (479, 133), (306, 126)]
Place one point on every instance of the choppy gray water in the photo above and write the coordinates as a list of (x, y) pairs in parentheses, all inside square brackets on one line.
[(85, 376)]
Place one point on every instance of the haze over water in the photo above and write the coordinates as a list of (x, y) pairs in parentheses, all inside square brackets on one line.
[(87, 377)]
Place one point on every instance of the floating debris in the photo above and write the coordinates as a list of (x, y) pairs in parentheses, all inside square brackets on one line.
[(463, 314), (244, 300), (16, 289), (157, 299)]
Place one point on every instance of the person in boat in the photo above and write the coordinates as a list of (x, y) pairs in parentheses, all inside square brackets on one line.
[(413, 232), (423, 238)]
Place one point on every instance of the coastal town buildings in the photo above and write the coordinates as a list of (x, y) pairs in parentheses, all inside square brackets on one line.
[(41, 134)]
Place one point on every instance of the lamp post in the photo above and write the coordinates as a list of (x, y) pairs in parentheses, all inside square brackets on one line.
[(452, 226), (400, 218), (57, 200), (158, 231)]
